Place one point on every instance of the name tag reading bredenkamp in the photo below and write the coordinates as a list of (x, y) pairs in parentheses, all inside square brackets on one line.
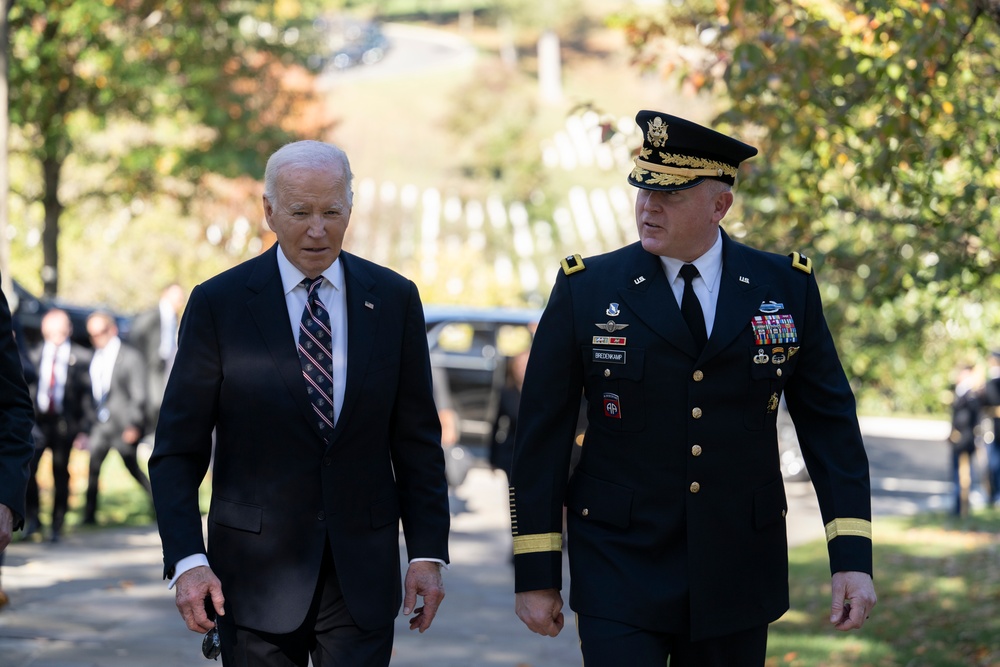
[(609, 356)]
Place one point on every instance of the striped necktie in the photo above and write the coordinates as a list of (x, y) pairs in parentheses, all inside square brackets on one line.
[(316, 353)]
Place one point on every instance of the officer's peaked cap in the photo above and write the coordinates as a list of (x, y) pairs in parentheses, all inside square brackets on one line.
[(677, 154)]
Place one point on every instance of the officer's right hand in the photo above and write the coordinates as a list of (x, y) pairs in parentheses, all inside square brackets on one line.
[(541, 611)]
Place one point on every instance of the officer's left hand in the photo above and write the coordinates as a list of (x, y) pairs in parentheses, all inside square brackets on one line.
[(853, 599), (423, 578)]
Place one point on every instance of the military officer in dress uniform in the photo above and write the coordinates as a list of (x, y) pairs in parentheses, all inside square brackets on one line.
[(683, 344)]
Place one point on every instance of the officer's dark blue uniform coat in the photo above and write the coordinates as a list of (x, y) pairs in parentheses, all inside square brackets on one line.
[(676, 512)]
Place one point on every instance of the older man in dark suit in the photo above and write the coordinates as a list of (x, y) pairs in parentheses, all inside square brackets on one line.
[(311, 367), (683, 344)]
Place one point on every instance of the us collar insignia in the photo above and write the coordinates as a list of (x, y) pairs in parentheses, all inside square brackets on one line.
[(639, 280), (613, 310), (610, 326), (770, 306)]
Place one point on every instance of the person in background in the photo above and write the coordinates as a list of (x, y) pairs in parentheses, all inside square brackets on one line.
[(964, 427), (682, 345), (501, 451), (16, 444), (991, 404), (311, 365), (118, 407), (154, 334), (61, 394)]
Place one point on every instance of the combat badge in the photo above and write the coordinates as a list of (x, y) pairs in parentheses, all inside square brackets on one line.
[(770, 307)]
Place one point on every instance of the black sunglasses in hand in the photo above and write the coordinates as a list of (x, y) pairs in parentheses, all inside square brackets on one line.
[(211, 645)]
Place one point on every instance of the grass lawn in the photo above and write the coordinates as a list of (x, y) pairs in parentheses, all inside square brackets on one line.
[(938, 582)]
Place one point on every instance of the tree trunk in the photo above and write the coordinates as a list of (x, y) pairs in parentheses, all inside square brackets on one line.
[(51, 171)]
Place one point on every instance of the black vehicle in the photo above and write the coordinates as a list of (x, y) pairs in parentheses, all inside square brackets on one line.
[(31, 309), (346, 42), (471, 345)]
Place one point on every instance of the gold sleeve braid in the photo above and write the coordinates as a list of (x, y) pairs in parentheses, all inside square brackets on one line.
[(848, 527)]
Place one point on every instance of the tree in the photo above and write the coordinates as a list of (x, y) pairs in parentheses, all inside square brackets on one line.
[(879, 129), (190, 89)]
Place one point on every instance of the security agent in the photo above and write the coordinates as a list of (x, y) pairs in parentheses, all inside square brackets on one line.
[(682, 344)]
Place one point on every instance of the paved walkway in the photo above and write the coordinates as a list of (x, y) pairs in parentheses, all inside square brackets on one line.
[(96, 598)]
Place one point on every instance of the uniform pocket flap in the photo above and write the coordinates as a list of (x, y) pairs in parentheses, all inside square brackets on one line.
[(598, 500), (240, 516), (769, 504)]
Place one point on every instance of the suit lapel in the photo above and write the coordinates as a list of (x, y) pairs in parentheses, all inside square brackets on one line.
[(739, 298), (270, 313), (648, 294), (363, 311)]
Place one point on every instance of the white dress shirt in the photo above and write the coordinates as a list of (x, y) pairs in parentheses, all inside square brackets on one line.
[(334, 297), (706, 285), (56, 377)]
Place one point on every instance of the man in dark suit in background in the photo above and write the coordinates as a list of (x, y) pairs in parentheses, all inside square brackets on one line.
[(683, 344), (154, 334), (311, 366), (61, 394), (118, 407), (16, 446)]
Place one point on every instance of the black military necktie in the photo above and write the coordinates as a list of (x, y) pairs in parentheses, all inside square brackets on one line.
[(316, 353), (691, 308)]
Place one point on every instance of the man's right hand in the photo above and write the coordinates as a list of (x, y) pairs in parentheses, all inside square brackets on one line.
[(541, 611), (192, 588)]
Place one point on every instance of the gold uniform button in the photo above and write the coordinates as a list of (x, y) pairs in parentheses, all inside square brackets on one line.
[(695, 487), (696, 413), (585, 512), (698, 376), (696, 450), (779, 372), (784, 513), (607, 372)]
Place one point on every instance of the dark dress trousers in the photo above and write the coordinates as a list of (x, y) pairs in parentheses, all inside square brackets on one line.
[(676, 510), (59, 426), (281, 490), (16, 421)]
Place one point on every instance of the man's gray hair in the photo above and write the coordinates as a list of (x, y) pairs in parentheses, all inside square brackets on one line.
[(309, 154)]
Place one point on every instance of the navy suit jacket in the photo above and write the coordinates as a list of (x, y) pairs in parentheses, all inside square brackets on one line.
[(17, 417), (676, 510), (282, 490)]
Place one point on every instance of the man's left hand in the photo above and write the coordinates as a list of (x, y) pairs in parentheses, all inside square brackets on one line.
[(6, 526), (853, 599), (423, 578)]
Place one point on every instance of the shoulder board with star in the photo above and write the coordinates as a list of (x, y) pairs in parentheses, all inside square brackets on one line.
[(572, 264), (801, 262)]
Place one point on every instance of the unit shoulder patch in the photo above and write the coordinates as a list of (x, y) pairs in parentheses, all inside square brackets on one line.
[(572, 264), (801, 262)]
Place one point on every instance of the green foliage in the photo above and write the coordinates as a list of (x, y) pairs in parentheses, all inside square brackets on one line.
[(223, 75), (879, 126), (496, 120)]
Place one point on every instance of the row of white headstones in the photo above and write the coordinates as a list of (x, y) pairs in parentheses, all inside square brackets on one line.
[(397, 225)]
